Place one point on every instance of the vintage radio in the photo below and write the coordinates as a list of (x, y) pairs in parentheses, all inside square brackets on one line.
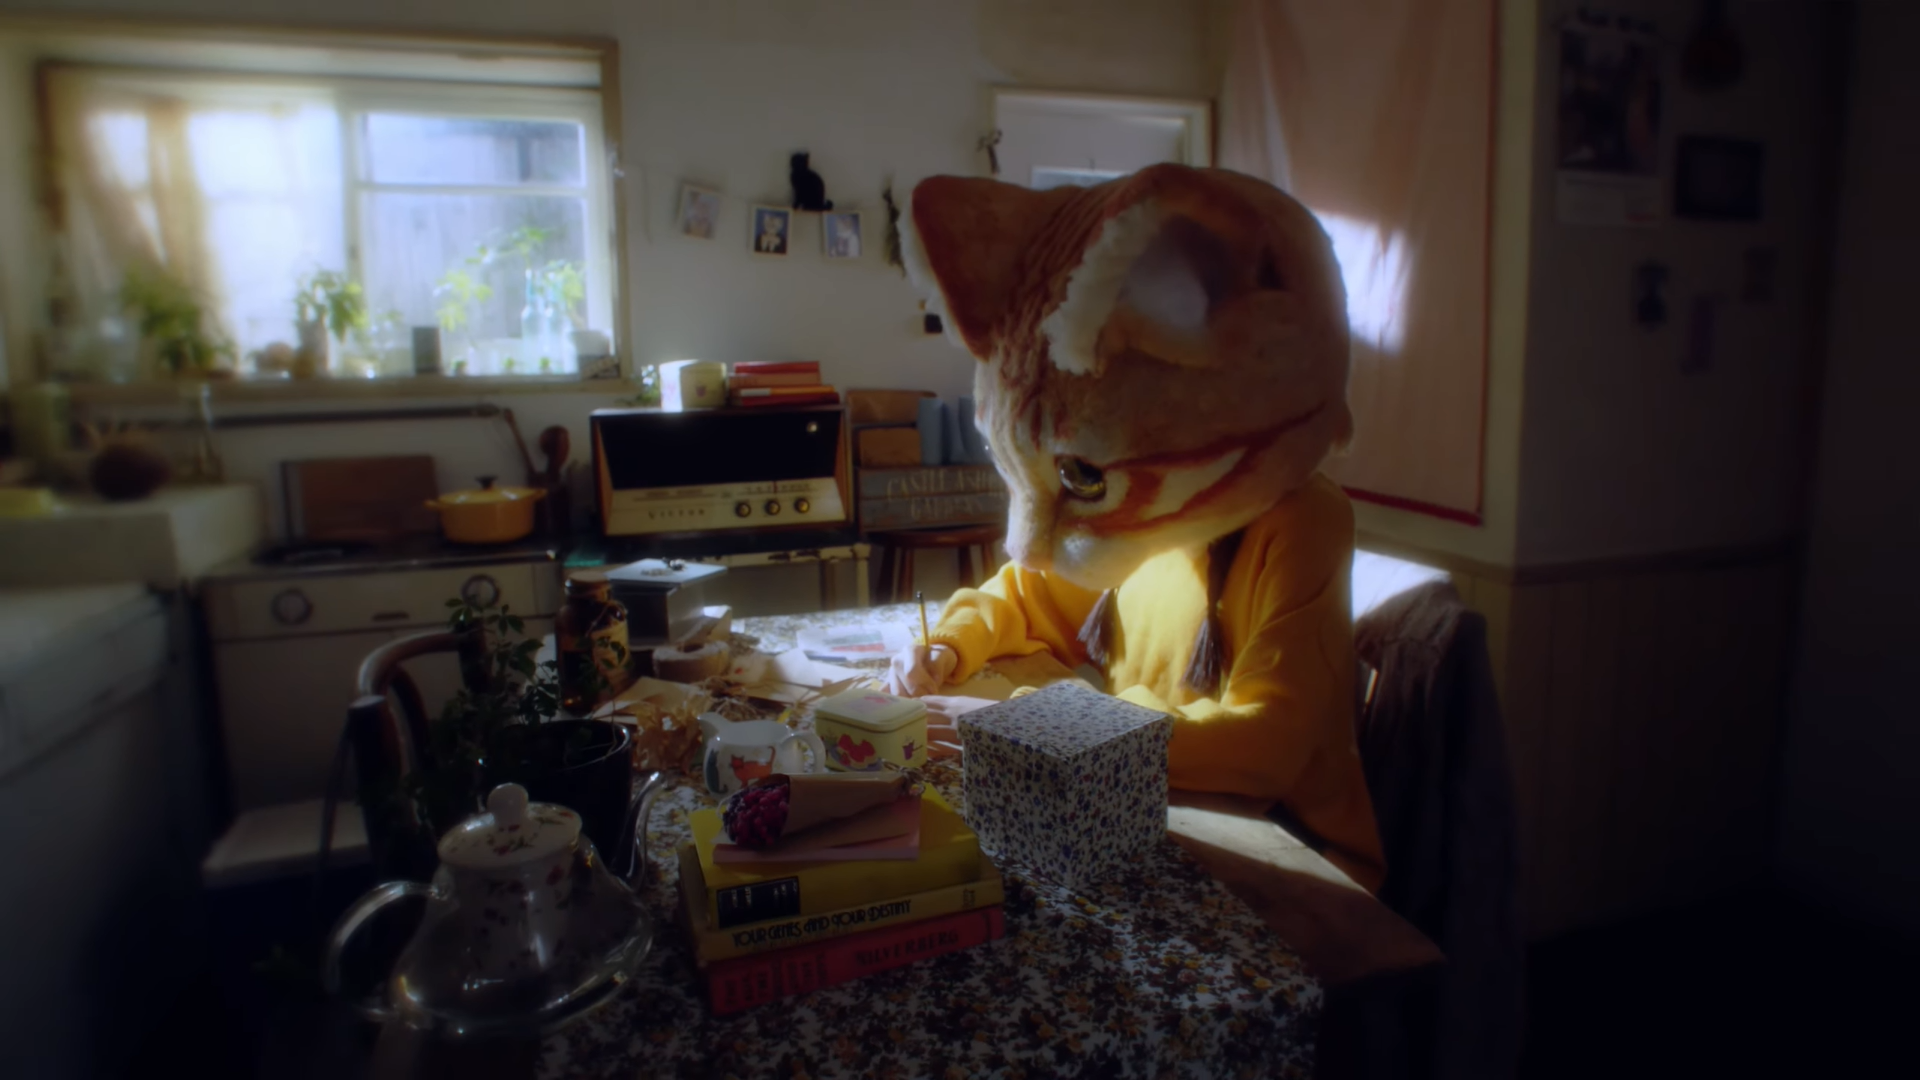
[(690, 472)]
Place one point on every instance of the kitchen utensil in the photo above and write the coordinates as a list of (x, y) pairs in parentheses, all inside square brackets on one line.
[(526, 459), (368, 498), (557, 445), (525, 930), (739, 751), (487, 514)]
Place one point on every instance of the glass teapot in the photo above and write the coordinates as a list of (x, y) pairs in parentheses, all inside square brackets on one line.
[(526, 928)]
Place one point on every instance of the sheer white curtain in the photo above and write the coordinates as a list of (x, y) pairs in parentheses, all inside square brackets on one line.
[(233, 190), (1378, 114)]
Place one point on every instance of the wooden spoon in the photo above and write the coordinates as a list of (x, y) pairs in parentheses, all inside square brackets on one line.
[(557, 445), (526, 459)]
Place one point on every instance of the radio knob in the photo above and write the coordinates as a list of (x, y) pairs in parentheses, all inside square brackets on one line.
[(773, 507), (801, 506), (742, 509)]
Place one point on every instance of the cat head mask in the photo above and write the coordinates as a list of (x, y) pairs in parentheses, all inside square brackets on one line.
[(1164, 356)]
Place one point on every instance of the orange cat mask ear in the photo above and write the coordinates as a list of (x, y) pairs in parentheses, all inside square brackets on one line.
[(1192, 267), (961, 241)]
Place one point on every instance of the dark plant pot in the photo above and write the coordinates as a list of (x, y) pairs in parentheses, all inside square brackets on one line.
[(585, 765)]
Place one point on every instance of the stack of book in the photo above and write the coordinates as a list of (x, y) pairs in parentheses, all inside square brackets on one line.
[(766, 925), (795, 382)]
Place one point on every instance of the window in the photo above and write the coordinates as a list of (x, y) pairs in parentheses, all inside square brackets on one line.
[(317, 221)]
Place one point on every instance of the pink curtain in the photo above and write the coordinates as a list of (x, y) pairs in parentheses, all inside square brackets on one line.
[(1378, 114)]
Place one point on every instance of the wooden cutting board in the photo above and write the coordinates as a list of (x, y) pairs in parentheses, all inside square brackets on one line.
[(372, 498)]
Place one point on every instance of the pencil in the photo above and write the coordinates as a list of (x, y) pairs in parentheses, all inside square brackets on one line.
[(926, 638)]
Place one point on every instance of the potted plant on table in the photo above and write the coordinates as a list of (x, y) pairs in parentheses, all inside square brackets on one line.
[(506, 725)]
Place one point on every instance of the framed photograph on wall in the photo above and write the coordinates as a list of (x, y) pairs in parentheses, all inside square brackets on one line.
[(699, 211), (1718, 179), (771, 230), (840, 234)]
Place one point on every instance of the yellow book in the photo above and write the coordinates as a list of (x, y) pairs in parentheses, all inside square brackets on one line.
[(741, 893), (710, 946)]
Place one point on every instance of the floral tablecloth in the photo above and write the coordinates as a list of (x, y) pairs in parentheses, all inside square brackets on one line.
[(1159, 973)]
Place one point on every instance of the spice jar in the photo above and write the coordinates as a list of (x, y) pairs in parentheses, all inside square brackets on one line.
[(590, 637)]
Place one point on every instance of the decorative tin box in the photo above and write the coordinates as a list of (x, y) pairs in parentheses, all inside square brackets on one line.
[(863, 728), (1067, 782)]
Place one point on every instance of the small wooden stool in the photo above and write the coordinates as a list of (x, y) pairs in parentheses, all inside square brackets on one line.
[(898, 546)]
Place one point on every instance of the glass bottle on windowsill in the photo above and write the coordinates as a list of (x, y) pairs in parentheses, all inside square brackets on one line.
[(532, 322)]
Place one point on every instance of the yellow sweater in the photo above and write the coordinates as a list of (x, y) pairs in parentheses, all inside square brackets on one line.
[(1283, 727)]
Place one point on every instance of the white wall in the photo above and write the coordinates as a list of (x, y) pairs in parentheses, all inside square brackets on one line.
[(722, 92), (1623, 452), (1850, 815)]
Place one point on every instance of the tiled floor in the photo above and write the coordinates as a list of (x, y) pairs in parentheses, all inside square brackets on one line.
[(1761, 986)]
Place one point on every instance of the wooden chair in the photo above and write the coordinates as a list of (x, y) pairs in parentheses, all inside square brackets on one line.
[(899, 545), (385, 747)]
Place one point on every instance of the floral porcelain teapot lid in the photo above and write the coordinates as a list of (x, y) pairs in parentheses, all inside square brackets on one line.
[(512, 834)]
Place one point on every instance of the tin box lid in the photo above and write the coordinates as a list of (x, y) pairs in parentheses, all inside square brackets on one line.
[(871, 709), (661, 575)]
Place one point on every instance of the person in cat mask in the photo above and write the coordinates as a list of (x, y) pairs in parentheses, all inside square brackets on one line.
[(1163, 371)]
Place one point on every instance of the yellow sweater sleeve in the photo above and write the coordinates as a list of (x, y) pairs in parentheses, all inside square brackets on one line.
[(1017, 613), (1290, 687), (1259, 736)]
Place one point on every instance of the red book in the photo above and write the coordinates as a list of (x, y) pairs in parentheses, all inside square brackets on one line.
[(784, 378), (778, 367), (746, 981)]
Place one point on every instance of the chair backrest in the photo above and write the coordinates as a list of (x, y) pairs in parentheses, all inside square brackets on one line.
[(1433, 747), (386, 748)]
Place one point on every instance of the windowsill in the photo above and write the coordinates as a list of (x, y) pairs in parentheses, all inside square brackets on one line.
[(293, 390)]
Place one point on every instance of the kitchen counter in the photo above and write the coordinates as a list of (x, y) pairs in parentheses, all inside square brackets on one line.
[(423, 552), (169, 538)]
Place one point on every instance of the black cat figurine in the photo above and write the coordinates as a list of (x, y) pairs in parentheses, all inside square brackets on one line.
[(809, 191)]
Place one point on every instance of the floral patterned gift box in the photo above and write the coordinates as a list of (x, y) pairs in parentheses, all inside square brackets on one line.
[(1066, 782)]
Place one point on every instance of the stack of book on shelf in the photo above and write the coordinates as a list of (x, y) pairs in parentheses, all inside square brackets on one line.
[(767, 924), (795, 382)]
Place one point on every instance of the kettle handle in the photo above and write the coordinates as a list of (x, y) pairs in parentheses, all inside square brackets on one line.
[(640, 809), (373, 1008)]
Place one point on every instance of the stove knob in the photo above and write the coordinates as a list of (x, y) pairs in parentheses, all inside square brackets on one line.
[(742, 509), (480, 591), (291, 608), (801, 505), (773, 507)]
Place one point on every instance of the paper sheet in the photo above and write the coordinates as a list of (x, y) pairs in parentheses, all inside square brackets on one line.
[(872, 642)]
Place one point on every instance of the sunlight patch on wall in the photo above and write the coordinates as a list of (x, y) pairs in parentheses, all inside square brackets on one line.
[(1376, 268)]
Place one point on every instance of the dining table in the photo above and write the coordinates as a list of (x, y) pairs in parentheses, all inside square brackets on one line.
[(1188, 962)]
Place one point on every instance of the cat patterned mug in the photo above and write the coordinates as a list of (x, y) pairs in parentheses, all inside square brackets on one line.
[(739, 752)]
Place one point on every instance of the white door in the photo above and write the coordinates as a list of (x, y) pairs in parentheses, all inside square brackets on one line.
[(1048, 139)]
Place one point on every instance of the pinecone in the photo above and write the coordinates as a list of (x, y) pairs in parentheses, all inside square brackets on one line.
[(755, 816)]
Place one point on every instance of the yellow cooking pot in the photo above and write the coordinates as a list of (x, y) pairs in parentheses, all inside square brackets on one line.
[(487, 514)]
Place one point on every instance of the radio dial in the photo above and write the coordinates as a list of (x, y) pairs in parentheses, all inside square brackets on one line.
[(742, 509), (801, 505), (773, 507)]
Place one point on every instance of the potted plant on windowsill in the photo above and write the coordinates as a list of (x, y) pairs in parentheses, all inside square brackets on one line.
[(326, 304), (506, 725), (176, 335)]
